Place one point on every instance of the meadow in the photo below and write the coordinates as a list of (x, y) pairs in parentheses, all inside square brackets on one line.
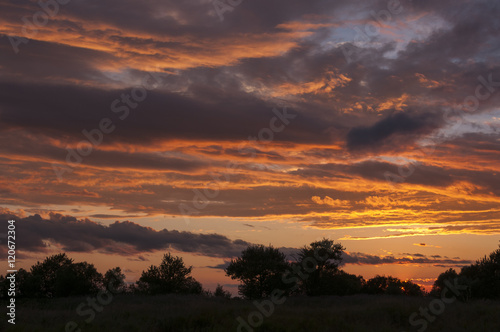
[(161, 313)]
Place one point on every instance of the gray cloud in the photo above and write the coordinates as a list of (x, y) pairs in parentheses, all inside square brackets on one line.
[(367, 259), (122, 238), (397, 123)]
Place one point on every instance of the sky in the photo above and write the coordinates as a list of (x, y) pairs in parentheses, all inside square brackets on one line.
[(132, 128)]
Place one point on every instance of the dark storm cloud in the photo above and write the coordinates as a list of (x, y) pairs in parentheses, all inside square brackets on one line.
[(123, 238), (152, 17), (219, 86), (472, 24), (50, 61), (196, 16), (17, 141), (397, 123), (483, 147), (67, 110), (376, 170)]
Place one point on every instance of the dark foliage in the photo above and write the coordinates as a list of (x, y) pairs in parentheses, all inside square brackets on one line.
[(391, 286), (481, 279), (319, 263), (220, 292), (171, 276), (260, 270)]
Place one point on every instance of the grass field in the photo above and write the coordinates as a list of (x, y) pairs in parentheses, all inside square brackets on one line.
[(197, 313)]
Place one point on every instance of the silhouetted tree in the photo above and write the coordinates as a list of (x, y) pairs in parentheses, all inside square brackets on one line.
[(340, 283), (483, 277), (58, 276), (440, 284), (171, 276), (260, 271), (114, 278), (376, 285), (412, 289), (220, 292), (192, 286), (77, 279), (392, 286), (319, 261), (132, 288), (44, 274)]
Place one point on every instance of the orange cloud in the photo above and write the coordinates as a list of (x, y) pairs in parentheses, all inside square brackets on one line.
[(330, 201)]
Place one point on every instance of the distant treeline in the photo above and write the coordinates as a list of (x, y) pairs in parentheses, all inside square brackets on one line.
[(263, 271)]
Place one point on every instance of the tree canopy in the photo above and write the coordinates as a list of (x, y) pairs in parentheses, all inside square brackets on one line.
[(171, 276), (392, 286), (320, 261), (58, 276), (114, 280), (481, 278), (260, 270)]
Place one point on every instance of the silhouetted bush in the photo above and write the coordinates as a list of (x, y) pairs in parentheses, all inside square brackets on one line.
[(391, 286), (340, 283), (171, 276), (220, 292)]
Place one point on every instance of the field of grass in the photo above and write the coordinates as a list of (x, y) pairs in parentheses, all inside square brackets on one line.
[(196, 313)]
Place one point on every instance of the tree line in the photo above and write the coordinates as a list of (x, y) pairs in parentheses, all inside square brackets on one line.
[(261, 270), (313, 272), (481, 278)]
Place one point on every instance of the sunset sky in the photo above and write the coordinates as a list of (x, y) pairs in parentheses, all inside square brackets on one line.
[(131, 128)]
